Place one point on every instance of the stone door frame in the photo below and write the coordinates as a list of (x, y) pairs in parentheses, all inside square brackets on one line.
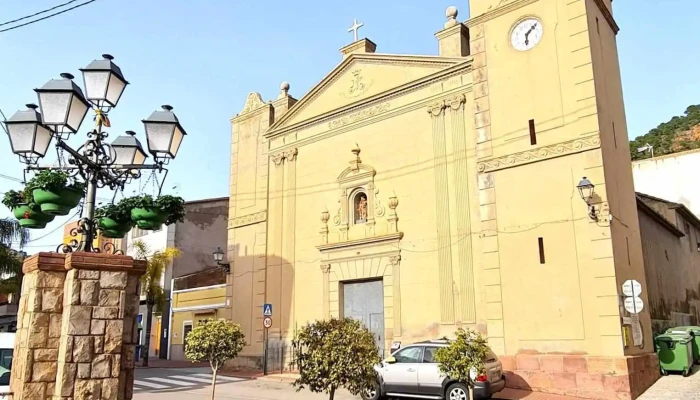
[(363, 260)]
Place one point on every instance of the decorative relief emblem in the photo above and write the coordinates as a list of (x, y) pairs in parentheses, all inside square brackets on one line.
[(378, 207), (359, 115), (253, 101), (291, 154), (436, 108), (325, 268), (277, 158), (525, 157), (247, 219), (358, 86), (456, 102)]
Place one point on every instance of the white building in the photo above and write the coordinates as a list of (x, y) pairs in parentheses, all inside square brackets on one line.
[(673, 177)]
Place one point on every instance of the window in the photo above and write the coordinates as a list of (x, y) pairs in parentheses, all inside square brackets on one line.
[(533, 133), (186, 329), (359, 207), (429, 354), (540, 243), (409, 355)]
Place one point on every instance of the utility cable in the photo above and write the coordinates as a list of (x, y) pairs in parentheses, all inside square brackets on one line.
[(46, 17), (38, 13)]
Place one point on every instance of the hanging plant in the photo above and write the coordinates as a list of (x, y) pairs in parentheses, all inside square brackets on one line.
[(25, 210), (150, 214), (53, 192), (114, 220)]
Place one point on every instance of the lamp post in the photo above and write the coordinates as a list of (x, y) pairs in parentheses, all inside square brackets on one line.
[(218, 257), (99, 164), (587, 189)]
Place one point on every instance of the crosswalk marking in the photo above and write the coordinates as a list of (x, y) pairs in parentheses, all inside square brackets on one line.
[(149, 384), (220, 377), (191, 378), (172, 382)]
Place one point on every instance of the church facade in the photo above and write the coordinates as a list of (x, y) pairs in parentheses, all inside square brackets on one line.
[(421, 194)]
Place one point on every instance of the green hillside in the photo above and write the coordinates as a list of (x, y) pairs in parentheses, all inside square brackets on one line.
[(679, 134)]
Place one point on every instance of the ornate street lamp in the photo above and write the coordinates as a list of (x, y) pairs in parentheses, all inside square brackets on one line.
[(63, 105), (128, 150), (29, 137), (97, 163), (587, 189), (218, 257), (104, 82), (163, 134)]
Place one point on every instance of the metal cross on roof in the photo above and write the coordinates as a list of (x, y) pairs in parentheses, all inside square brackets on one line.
[(354, 28)]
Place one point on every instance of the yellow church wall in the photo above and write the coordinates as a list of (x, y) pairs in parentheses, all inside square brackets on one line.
[(626, 238), (458, 196)]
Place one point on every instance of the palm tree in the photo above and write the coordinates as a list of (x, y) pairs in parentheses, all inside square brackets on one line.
[(151, 287), (11, 260)]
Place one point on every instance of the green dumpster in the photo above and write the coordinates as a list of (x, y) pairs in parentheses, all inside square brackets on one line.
[(693, 331), (675, 352)]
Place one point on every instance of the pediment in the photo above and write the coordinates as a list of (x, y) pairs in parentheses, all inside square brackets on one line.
[(360, 77)]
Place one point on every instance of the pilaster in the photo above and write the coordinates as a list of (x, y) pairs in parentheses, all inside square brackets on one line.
[(287, 286), (490, 259), (447, 312), (466, 300)]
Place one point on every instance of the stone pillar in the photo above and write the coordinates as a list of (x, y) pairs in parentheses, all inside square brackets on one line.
[(38, 327), (77, 334)]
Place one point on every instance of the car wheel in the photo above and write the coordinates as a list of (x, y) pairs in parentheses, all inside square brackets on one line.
[(457, 391), (372, 393)]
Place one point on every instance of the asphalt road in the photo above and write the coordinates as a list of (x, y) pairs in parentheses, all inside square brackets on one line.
[(195, 384)]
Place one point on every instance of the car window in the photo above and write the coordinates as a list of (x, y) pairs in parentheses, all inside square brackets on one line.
[(429, 354), (409, 355)]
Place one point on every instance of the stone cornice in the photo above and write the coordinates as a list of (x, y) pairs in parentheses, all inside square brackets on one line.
[(497, 12), (421, 104), (608, 15), (393, 237), (248, 219), (542, 153), (456, 65)]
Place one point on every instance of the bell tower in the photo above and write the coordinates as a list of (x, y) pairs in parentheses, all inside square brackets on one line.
[(548, 110)]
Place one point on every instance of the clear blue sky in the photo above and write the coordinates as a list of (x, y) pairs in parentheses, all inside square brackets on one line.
[(203, 57)]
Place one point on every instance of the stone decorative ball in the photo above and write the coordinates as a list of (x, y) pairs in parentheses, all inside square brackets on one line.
[(451, 12), (284, 86)]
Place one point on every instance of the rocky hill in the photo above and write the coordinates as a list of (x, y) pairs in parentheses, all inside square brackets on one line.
[(679, 134)]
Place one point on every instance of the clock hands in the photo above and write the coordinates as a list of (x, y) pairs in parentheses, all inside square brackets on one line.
[(532, 28)]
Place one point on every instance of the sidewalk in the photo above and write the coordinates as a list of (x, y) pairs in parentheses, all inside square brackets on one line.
[(509, 394)]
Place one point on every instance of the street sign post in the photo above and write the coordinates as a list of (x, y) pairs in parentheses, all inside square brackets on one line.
[(267, 323), (631, 288), (634, 305)]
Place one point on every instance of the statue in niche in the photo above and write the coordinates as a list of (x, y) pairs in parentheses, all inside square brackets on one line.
[(361, 208)]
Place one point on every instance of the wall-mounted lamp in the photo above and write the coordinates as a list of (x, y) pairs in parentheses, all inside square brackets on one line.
[(587, 189), (218, 257)]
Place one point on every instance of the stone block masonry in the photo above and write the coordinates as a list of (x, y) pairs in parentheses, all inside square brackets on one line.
[(76, 330)]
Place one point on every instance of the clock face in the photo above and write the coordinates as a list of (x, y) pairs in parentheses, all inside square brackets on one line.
[(526, 34)]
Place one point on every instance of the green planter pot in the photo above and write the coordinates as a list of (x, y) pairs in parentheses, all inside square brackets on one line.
[(114, 229), (57, 203), (149, 219), (36, 219)]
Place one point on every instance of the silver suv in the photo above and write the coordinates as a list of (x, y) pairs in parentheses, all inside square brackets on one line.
[(413, 372)]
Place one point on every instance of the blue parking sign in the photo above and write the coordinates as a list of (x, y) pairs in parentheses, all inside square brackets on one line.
[(267, 310)]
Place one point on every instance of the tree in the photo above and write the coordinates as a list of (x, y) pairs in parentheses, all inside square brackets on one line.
[(333, 354), (680, 133), (464, 359), (216, 342), (151, 285), (11, 260)]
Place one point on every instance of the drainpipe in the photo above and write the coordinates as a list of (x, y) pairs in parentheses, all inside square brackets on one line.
[(170, 318)]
